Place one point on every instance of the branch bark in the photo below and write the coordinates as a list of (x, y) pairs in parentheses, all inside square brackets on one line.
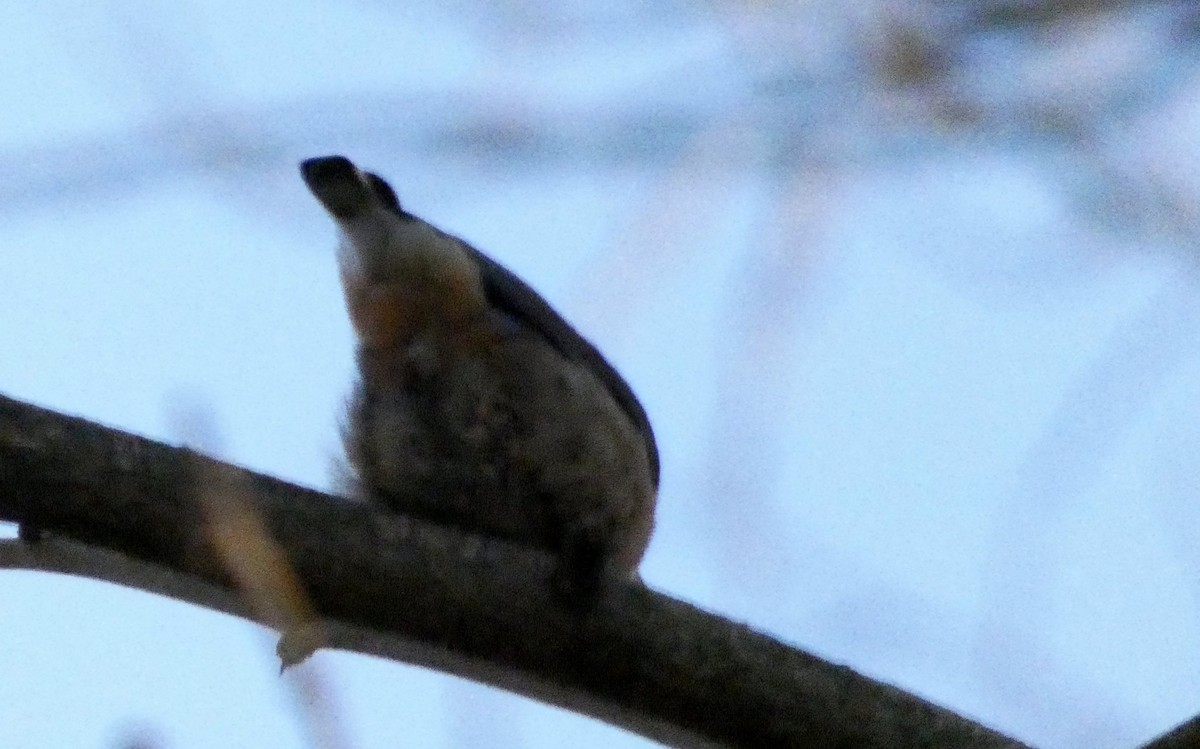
[(1186, 735), (122, 508)]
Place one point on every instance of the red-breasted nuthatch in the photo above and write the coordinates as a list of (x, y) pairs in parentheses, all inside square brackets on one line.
[(478, 405)]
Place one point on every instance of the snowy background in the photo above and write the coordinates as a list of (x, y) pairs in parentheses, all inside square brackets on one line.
[(909, 290)]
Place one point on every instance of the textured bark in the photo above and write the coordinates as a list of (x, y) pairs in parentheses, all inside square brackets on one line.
[(113, 506), (1184, 736)]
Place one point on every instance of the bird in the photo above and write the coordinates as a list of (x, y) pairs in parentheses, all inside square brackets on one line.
[(476, 403)]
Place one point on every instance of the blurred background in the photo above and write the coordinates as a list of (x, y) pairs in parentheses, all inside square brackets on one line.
[(910, 291)]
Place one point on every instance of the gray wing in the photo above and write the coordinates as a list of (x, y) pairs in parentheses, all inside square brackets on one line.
[(509, 293)]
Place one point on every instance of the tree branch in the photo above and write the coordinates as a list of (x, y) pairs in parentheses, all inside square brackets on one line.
[(1186, 735), (122, 508)]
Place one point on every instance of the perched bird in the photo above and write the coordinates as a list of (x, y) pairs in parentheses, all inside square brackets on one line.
[(477, 404)]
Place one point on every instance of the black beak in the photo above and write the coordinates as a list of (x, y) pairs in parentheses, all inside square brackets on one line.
[(338, 184)]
